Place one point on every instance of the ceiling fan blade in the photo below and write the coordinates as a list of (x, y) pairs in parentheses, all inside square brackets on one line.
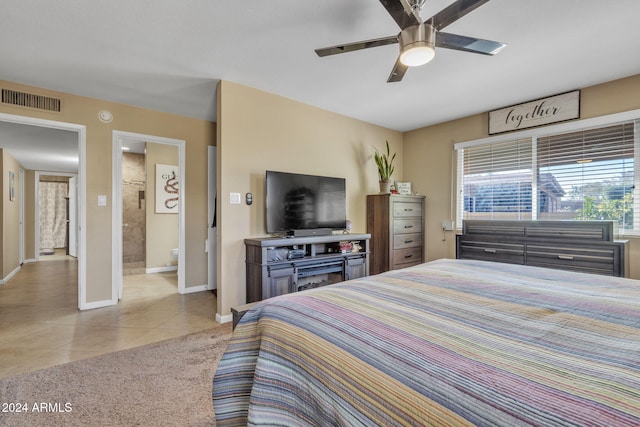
[(468, 44), (398, 72), (453, 12), (350, 47), (402, 12)]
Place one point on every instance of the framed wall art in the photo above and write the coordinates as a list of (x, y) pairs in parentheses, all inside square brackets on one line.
[(545, 111), (167, 188)]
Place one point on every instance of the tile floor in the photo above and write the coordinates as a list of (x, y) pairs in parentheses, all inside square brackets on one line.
[(41, 326)]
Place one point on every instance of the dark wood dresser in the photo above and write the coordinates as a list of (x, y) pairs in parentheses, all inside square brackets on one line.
[(396, 225)]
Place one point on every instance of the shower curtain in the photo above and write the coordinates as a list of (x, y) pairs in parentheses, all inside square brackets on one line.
[(53, 214)]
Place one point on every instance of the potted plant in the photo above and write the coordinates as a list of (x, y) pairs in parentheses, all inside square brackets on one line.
[(384, 161)]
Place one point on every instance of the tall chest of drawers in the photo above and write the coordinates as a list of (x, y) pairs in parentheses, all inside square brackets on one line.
[(396, 225)]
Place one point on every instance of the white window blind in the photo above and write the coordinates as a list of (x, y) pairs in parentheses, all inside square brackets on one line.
[(587, 174), (497, 181)]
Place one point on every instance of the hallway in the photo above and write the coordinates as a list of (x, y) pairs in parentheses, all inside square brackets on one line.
[(41, 326)]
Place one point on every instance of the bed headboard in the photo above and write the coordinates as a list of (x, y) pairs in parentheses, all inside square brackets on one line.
[(586, 246)]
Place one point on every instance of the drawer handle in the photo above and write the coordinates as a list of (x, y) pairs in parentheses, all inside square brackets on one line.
[(408, 256), (567, 257), (408, 226), (408, 210), (408, 241), (490, 251)]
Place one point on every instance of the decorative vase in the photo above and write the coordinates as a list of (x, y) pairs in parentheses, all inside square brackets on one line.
[(385, 186)]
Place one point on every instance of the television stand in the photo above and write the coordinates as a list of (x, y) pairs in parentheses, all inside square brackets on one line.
[(281, 265)]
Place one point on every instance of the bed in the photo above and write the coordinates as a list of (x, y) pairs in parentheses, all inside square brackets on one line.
[(446, 343)]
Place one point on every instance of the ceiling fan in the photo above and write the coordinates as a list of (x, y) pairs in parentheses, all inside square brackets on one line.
[(418, 39)]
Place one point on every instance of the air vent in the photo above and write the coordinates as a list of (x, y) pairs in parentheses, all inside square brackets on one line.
[(29, 100)]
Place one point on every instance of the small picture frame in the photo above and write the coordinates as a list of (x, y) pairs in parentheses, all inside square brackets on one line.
[(12, 186), (404, 187)]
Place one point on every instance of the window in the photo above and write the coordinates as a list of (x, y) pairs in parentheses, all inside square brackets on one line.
[(497, 181), (572, 174), (593, 172)]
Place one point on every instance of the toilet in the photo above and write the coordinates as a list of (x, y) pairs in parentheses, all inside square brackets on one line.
[(174, 253)]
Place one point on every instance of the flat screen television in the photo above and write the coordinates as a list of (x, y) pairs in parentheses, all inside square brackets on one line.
[(304, 204)]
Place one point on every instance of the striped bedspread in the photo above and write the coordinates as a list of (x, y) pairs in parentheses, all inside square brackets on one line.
[(446, 343)]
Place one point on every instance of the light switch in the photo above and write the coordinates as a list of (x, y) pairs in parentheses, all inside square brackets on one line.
[(235, 198), (102, 200)]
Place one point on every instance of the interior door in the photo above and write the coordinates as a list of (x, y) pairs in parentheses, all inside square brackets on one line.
[(212, 230), (73, 216)]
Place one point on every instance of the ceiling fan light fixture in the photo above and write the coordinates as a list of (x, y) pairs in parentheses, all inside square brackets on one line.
[(417, 54), (417, 45)]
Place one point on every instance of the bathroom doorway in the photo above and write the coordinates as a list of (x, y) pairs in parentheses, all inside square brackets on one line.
[(134, 209), (56, 215), (152, 245), (149, 208)]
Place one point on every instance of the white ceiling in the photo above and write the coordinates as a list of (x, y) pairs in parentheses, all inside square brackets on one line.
[(41, 149), (169, 55)]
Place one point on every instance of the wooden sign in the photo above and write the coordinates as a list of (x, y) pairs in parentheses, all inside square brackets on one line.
[(553, 109)]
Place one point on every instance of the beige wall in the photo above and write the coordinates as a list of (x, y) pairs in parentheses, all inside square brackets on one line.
[(198, 134), (259, 131), (10, 216), (430, 160), (162, 228)]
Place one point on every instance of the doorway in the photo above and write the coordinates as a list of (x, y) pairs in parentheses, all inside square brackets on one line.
[(150, 193), (121, 139), (21, 218), (134, 209), (80, 131), (55, 213)]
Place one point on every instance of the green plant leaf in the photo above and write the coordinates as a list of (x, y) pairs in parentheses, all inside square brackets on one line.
[(384, 162)]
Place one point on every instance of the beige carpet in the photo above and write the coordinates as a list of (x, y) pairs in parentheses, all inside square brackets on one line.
[(162, 384)]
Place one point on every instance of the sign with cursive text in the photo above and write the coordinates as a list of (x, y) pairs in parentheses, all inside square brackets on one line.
[(553, 109)]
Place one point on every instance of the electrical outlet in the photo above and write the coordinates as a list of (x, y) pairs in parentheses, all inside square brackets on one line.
[(447, 225)]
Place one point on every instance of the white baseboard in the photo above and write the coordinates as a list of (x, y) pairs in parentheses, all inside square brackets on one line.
[(97, 304), (224, 319), (27, 261), (9, 276), (192, 289), (161, 269)]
